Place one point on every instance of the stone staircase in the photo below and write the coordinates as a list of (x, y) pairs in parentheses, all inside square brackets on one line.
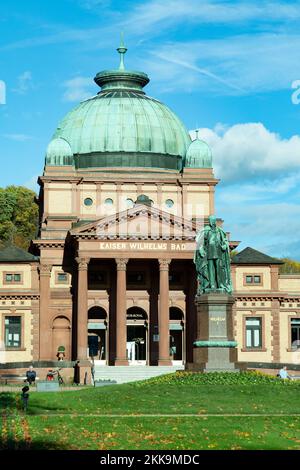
[(124, 374)]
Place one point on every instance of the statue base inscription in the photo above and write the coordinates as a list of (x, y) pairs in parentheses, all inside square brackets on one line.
[(214, 348)]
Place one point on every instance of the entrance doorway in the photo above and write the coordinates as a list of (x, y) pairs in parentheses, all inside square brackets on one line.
[(97, 334), (176, 326), (137, 337)]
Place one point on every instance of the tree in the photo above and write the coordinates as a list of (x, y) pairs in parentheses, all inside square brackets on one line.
[(19, 216), (290, 266)]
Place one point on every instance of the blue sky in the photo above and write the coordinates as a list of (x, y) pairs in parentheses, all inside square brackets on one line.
[(226, 67)]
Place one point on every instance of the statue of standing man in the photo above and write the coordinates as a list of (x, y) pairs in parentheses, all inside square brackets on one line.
[(212, 259)]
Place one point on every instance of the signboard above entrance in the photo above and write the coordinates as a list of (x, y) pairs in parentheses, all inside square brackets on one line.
[(147, 246)]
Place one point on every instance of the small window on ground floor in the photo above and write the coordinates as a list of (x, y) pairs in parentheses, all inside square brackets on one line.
[(295, 332), (253, 333), (12, 332), (253, 279), (62, 278), (13, 277)]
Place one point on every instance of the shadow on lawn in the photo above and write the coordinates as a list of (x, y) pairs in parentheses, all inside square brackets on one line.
[(7, 401), (23, 445)]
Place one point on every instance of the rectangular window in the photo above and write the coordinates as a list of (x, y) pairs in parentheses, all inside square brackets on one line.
[(12, 332), (13, 277), (135, 277), (253, 279), (295, 332), (253, 333), (62, 277), (175, 277), (96, 279)]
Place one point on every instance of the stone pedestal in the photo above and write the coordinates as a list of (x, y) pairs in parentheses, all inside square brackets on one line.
[(214, 348)]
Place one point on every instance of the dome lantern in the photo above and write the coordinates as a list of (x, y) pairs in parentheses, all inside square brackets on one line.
[(122, 78)]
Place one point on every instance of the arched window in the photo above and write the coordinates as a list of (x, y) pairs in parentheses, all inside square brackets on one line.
[(176, 313), (97, 313), (136, 313)]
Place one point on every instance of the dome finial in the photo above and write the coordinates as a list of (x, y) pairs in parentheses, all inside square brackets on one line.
[(197, 131), (122, 51)]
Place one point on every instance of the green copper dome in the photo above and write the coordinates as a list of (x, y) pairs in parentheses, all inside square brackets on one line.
[(59, 152), (198, 154), (122, 127)]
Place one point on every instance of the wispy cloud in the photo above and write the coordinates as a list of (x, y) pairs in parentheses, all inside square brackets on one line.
[(198, 70), (78, 89), (58, 37), (24, 83), (149, 15), (245, 64), (272, 228), (18, 137)]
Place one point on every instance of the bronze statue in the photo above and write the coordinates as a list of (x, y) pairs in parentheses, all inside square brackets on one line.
[(212, 259)]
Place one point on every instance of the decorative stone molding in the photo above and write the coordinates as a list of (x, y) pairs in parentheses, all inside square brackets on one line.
[(164, 264), (19, 296), (49, 244), (121, 263), (82, 263)]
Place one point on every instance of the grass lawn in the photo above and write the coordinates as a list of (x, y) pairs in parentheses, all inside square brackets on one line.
[(182, 411)]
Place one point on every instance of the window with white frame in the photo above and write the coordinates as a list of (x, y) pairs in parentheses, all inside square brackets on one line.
[(295, 332), (12, 332), (253, 332)]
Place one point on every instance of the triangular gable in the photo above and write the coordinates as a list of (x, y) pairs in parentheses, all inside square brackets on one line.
[(140, 222)]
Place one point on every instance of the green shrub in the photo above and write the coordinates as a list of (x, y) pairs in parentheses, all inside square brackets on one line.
[(218, 378)]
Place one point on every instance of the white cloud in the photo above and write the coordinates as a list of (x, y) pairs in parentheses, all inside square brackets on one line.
[(149, 15), (90, 36), (18, 137), (258, 196), (24, 83), (243, 64), (271, 228), (246, 151), (78, 89)]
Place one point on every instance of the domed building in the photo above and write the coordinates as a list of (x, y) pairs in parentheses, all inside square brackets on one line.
[(120, 201), (111, 276)]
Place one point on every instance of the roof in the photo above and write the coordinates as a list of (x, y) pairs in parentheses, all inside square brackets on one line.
[(251, 256), (13, 253)]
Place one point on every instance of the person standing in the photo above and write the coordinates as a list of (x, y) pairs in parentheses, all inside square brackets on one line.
[(77, 373), (93, 370), (25, 397)]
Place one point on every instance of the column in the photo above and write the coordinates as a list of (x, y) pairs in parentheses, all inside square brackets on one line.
[(82, 308), (121, 318), (163, 313), (45, 340)]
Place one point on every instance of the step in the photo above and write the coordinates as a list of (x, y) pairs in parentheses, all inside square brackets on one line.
[(124, 374)]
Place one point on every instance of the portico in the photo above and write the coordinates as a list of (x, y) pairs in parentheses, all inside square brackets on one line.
[(122, 274)]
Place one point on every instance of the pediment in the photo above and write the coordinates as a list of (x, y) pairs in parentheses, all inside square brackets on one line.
[(138, 223)]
